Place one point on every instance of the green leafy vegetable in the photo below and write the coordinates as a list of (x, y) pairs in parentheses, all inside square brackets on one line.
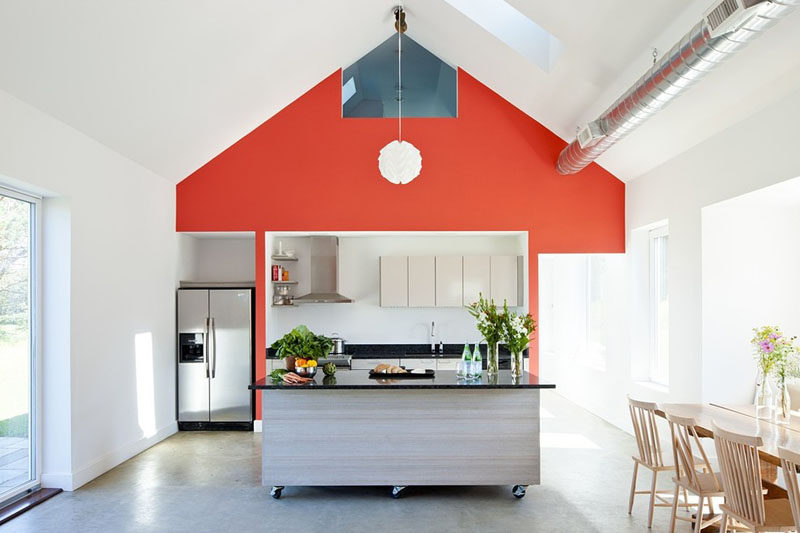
[(277, 375), (300, 342)]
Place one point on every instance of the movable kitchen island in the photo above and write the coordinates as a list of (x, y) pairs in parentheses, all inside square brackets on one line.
[(401, 432)]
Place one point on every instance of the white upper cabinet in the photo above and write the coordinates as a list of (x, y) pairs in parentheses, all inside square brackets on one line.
[(477, 277), (394, 281), (449, 281), (505, 280), (422, 281)]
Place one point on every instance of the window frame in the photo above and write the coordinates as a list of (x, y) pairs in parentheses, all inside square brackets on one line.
[(657, 361), (35, 393)]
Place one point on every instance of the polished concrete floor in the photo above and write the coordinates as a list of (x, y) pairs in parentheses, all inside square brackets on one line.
[(198, 482)]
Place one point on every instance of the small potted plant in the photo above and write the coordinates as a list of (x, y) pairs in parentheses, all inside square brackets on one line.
[(301, 348)]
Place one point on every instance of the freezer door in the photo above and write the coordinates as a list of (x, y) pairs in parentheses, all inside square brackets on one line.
[(193, 385), (230, 349)]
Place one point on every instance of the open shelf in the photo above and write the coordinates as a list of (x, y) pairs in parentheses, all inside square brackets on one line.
[(285, 282), (284, 258)]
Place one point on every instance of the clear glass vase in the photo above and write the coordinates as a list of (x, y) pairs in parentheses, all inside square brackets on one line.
[(516, 365), (492, 362), (764, 397), (783, 403)]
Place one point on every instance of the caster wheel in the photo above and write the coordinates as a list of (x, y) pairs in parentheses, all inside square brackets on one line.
[(276, 492), (519, 491), (397, 491)]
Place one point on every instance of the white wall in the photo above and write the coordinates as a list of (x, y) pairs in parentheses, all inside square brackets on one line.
[(752, 154), (364, 321), (111, 262), (220, 259), (751, 259)]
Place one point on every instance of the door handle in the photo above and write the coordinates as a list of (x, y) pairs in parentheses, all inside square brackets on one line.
[(213, 349), (206, 350)]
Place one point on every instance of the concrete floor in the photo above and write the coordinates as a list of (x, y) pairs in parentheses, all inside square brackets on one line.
[(197, 482)]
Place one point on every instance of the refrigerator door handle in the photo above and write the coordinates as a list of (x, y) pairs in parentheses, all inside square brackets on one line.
[(205, 350), (213, 349)]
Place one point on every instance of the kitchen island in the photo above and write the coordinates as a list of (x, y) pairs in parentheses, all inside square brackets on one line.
[(358, 430)]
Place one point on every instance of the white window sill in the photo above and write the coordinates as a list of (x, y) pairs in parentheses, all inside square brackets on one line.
[(653, 386)]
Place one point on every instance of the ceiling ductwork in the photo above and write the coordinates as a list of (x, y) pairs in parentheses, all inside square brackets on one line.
[(725, 29)]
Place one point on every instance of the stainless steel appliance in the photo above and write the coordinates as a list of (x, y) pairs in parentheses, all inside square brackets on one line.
[(215, 358), (338, 344)]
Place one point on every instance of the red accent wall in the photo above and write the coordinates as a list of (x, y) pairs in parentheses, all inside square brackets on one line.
[(492, 168)]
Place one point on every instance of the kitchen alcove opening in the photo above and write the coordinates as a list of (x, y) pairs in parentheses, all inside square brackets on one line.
[(370, 85)]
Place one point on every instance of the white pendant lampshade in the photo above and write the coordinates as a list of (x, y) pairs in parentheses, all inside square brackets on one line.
[(400, 162)]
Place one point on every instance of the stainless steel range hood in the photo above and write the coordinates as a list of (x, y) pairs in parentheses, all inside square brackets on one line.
[(324, 273)]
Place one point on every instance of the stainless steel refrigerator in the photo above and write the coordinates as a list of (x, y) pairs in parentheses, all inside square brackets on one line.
[(215, 358)]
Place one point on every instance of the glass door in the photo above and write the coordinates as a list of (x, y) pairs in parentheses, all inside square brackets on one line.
[(18, 214)]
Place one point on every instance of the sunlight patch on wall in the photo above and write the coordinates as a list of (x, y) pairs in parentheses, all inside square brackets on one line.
[(145, 388)]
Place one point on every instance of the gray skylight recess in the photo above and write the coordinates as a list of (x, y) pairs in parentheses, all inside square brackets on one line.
[(369, 86), (508, 24)]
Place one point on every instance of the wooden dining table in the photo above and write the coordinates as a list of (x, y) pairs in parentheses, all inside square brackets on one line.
[(741, 419)]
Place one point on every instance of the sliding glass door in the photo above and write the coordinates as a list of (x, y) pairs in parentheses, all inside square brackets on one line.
[(18, 324)]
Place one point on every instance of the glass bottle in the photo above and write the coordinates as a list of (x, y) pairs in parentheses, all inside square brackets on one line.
[(477, 362), (464, 366)]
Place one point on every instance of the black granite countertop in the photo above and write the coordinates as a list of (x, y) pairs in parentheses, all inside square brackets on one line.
[(415, 351), (444, 379)]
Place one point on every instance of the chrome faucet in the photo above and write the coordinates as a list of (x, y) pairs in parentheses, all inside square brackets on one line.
[(433, 337)]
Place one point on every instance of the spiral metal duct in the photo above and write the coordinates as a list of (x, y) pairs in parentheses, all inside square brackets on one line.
[(694, 56)]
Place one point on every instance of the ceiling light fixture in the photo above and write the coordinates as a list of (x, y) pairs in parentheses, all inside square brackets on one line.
[(400, 161)]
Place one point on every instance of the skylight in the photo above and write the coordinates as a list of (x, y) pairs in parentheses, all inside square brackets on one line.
[(509, 25)]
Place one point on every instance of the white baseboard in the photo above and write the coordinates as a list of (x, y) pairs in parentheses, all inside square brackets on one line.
[(256, 426), (106, 462)]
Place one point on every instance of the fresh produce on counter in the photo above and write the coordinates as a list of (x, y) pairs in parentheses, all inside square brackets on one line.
[(291, 378), (277, 375), (329, 369)]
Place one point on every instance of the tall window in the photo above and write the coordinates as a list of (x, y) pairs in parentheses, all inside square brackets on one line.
[(18, 214), (659, 305), (597, 310)]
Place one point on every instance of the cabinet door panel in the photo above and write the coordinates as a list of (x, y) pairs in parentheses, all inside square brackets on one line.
[(422, 281), (429, 363), (449, 281), (447, 364), (477, 277), (394, 281), (504, 279)]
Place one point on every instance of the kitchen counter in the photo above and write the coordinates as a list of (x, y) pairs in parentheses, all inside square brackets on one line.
[(395, 433), (444, 379)]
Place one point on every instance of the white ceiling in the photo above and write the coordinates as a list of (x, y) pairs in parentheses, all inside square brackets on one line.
[(171, 83)]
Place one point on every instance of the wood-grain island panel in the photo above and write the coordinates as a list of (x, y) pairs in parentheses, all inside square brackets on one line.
[(401, 437)]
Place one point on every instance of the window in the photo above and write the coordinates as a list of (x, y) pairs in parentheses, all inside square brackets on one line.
[(18, 471), (658, 239), (597, 311)]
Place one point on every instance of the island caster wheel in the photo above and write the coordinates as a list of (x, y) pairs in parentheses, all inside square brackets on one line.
[(397, 491), (519, 491), (276, 492)]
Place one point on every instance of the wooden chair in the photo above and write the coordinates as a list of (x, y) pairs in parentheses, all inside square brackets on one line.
[(741, 478), (643, 416), (789, 463), (705, 485)]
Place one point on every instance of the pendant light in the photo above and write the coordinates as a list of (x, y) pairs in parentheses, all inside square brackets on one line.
[(400, 161)]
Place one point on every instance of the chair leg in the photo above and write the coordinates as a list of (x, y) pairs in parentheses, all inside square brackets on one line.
[(674, 509), (698, 521), (723, 524), (686, 500), (652, 500), (633, 486)]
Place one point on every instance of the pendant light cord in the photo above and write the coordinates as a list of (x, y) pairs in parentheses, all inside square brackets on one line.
[(399, 74)]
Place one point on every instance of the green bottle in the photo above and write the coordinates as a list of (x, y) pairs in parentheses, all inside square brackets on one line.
[(466, 363), (477, 362)]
